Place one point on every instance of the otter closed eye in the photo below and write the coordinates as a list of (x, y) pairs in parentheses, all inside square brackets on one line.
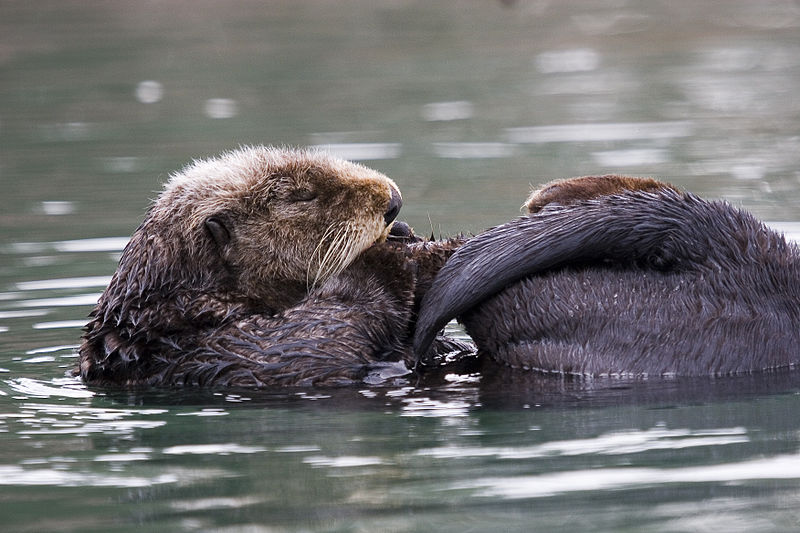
[(303, 195)]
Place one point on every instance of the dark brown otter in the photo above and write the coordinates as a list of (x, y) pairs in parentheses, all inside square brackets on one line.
[(262, 267), (615, 276)]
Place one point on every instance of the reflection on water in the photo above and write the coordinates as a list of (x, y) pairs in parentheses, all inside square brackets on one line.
[(444, 111), (618, 443), (599, 132), (465, 109), (462, 459), (452, 150), (779, 467), (103, 244), (64, 283), (361, 151)]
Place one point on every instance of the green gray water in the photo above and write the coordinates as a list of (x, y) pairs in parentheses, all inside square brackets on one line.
[(466, 105)]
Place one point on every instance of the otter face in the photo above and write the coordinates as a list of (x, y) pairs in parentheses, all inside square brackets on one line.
[(279, 221)]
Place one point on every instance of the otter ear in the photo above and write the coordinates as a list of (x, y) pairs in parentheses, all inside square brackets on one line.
[(218, 230)]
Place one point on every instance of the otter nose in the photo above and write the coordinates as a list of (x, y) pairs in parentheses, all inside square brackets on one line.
[(395, 203)]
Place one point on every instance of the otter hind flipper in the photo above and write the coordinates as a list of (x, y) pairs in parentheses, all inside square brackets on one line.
[(634, 227)]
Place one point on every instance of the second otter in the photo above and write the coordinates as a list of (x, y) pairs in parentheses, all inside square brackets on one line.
[(623, 276)]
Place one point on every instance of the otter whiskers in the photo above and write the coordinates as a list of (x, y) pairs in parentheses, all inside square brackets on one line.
[(346, 243)]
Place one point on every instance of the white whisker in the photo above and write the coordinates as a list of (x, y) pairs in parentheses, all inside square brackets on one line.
[(331, 261), (317, 258), (324, 263), (338, 247)]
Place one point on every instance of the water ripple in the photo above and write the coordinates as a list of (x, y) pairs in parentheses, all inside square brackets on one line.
[(100, 244), (427, 407), (343, 461), (63, 388), (517, 487), (362, 151), (60, 324), (16, 475), (212, 449), (616, 443), (447, 111), (53, 419), (600, 132), (64, 283), (473, 150), (63, 301)]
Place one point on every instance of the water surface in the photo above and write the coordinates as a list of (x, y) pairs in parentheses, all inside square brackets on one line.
[(466, 106)]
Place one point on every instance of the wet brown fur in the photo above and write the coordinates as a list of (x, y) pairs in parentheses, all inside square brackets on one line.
[(262, 267)]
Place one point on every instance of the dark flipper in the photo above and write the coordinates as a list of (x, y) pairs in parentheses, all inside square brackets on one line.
[(636, 227)]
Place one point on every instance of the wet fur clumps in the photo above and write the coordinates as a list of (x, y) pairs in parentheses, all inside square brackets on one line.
[(273, 267), (263, 267), (616, 276)]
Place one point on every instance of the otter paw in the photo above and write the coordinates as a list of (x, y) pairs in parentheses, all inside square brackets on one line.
[(402, 232)]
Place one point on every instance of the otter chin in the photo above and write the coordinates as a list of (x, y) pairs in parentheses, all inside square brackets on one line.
[(260, 267), (620, 276)]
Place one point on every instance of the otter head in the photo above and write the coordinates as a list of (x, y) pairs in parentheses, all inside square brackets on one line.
[(259, 226), (574, 190)]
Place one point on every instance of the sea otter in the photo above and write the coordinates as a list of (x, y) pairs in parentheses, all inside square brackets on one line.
[(263, 267), (611, 275)]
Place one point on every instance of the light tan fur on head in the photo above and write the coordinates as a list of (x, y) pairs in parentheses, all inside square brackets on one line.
[(284, 219)]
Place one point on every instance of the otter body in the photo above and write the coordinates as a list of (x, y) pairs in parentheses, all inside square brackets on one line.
[(618, 276), (263, 267)]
